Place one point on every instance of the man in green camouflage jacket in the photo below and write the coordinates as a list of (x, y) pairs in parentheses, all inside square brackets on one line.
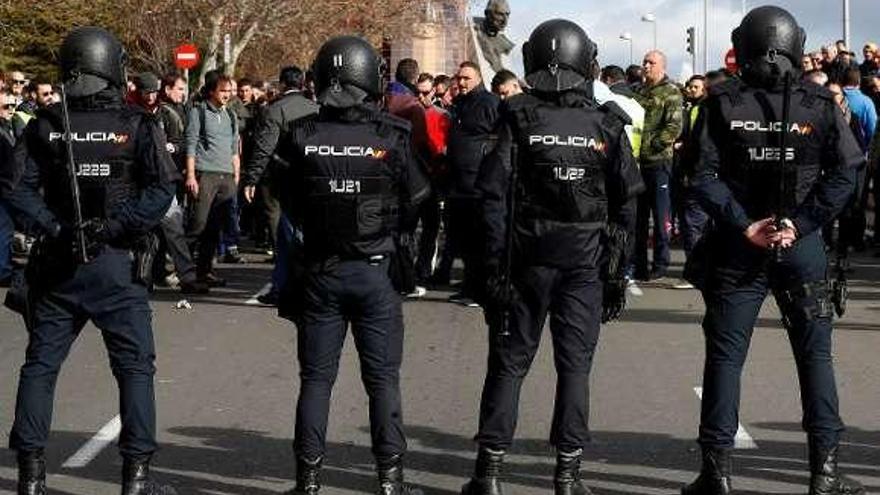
[(662, 101)]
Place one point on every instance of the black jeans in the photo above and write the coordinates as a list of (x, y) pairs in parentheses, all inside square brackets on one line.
[(738, 283), (654, 203), (209, 212), (175, 242), (359, 293), (430, 216), (574, 300), (468, 235), (103, 292)]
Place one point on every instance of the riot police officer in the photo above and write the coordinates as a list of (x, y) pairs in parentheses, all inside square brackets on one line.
[(570, 190), (775, 161), (126, 180), (351, 184)]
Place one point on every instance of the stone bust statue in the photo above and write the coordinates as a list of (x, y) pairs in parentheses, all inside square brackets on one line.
[(488, 30)]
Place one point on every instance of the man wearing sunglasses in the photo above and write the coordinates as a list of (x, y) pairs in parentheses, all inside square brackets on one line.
[(17, 82)]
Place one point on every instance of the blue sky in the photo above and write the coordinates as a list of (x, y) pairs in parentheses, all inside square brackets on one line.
[(605, 20)]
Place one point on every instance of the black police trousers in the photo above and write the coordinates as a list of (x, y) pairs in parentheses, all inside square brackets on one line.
[(101, 291), (738, 283), (359, 293), (574, 300)]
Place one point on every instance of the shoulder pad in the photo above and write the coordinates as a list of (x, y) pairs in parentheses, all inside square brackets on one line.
[(138, 115), (728, 87), (305, 124), (611, 108), (814, 89), (52, 112), (393, 121), (523, 102)]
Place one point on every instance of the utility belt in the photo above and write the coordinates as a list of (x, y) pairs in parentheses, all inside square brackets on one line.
[(53, 259), (52, 262), (331, 262)]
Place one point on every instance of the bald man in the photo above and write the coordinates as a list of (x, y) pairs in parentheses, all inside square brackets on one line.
[(662, 102)]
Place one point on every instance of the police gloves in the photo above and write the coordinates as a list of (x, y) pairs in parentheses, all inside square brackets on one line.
[(98, 232), (613, 299), (500, 292)]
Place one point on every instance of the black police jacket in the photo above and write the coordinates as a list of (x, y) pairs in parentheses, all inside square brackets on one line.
[(473, 134), (738, 177), (274, 121), (124, 171), (352, 181), (575, 174)]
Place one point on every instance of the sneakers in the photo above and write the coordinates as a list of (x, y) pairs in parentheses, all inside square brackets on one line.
[(172, 280), (633, 288), (232, 256), (417, 293), (464, 300), (266, 296), (682, 285), (194, 287), (212, 280)]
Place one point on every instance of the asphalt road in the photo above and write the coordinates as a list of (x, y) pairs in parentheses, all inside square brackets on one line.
[(226, 386)]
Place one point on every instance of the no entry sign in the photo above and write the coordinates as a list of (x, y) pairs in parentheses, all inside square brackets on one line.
[(186, 56)]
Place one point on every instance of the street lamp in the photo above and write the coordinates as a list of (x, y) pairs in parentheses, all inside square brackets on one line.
[(649, 17), (627, 36)]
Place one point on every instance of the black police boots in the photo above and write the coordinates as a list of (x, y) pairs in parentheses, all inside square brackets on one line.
[(308, 480), (31, 473), (487, 474), (567, 480), (136, 479), (390, 473), (825, 477), (714, 477)]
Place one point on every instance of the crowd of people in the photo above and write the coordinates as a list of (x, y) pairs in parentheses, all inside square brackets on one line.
[(453, 119), (365, 190)]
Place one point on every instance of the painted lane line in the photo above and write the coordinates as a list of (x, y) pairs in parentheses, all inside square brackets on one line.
[(105, 436), (742, 440)]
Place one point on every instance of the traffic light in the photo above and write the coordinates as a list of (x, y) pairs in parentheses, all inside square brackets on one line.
[(691, 40)]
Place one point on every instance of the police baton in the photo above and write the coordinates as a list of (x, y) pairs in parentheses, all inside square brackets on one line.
[(783, 159), (508, 240), (80, 247), (839, 287)]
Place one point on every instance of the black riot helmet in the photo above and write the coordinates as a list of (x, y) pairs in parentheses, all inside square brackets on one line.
[(558, 56), (348, 70), (91, 59), (769, 44)]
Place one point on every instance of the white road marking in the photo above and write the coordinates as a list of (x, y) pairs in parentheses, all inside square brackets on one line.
[(742, 440), (105, 436)]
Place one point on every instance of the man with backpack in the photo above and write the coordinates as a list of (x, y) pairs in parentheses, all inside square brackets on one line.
[(212, 169)]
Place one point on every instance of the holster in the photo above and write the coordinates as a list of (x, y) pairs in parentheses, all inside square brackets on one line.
[(48, 264), (696, 267), (401, 269), (18, 297), (807, 301), (291, 295), (144, 252)]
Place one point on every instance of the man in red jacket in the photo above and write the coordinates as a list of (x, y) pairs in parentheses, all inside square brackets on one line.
[(438, 122)]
